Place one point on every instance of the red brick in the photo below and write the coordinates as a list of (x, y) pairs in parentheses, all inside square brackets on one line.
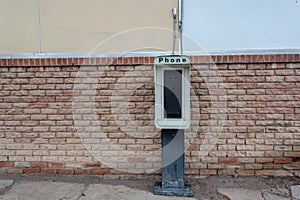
[(265, 110), (6, 164), (272, 166), (65, 171), (39, 165), (208, 172), (32, 170), (260, 58), (48, 171), (230, 58), (256, 66), (57, 165), (264, 160), (81, 61), (3, 62), (278, 58), (236, 79), (64, 61), (237, 67), (92, 165), (264, 173), (272, 154), (284, 72), (100, 171), (82, 171), (147, 60), (225, 58), (236, 117), (61, 62), (227, 160), (290, 58), (226, 172), (283, 160), (245, 172), (292, 79), (296, 159)]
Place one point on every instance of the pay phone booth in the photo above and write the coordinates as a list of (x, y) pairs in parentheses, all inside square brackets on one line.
[(172, 115)]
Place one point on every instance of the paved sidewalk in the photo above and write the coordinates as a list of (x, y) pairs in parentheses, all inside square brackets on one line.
[(91, 188), (244, 194), (32, 190)]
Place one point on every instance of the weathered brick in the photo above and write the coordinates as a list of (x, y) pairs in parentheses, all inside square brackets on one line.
[(264, 173), (48, 171), (275, 153), (21, 164), (264, 160), (271, 166), (207, 172), (227, 160), (92, 165), (6, 164), (292, 154), (56, 164), (39, 165), (12, 170), (32, 170), (100, 171), (246, 160), (65, 171), (245, 172), (259, 133), (82, 171)]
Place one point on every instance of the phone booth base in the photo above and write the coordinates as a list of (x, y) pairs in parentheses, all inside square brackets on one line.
[(172, 165), (183, 192)]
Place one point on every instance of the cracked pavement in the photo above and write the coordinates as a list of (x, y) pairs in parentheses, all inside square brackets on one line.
[(87, 187), (244, 194), (47, 190)]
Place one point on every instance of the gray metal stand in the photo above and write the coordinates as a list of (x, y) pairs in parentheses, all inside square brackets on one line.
[(172, 165)]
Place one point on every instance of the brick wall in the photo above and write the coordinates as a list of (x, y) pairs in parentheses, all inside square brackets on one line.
[(95, 116)]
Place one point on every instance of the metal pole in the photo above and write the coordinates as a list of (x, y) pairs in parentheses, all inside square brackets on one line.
[(180, 25), (174, 11)]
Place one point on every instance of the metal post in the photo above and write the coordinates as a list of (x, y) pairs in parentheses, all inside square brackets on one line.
[(174, 29), (173, 165), (180, 25)]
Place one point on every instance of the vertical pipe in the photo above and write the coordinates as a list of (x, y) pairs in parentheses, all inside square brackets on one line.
[(38, 26), (180, 10), (180, 26), (174, 11)]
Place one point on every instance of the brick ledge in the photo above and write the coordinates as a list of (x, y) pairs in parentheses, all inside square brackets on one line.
[(217, 59)]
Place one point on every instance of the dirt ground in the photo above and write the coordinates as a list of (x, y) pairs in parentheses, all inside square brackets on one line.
[(203, 187)]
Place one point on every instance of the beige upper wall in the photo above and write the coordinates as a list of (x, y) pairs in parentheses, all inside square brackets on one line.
[(80, 25), (18, 26)]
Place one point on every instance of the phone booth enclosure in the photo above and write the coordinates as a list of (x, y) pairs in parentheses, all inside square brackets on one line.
[(172, 92)]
